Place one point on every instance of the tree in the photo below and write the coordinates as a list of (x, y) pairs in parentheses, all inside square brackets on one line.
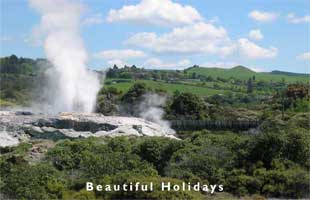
[(249, 86), (158, 151), (40, 181), (107, 100), (194, 75), (297, 147), (188, 106), (135, 93), (265, 147)]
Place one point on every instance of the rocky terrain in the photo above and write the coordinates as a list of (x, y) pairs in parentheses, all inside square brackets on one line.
[(17, 126)]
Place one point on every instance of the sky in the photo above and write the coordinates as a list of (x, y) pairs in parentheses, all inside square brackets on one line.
[(263, 35)]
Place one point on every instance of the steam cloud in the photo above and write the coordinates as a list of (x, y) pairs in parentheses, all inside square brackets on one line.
[(151, 110), (75, 87)]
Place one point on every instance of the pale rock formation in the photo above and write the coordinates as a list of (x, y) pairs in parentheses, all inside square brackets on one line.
[(22, 126)]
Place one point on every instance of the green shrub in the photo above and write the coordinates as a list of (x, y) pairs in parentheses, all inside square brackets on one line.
[(40, 181)]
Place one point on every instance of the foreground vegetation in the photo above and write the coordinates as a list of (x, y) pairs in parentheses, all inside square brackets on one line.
[(274, 163)]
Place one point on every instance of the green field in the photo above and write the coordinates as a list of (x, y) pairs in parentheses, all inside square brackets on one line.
[(243, 73), (169, 87)]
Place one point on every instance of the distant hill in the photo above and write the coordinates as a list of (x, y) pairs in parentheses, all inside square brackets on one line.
[(241, 69), (243, 73), (288, 73)]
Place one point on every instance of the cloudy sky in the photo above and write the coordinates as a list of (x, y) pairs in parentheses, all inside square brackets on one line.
[(263, 35)]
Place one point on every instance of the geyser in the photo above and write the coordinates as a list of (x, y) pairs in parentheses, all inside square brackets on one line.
[(75, 86)]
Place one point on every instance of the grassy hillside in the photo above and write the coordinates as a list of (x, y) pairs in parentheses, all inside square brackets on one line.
[(204, 81), (21, 78), (169, 87), (244, 73)]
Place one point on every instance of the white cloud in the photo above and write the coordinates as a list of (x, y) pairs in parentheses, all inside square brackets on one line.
[(120, 54), (257, 69), (304, 56), (156, 12), (229, 65), (184, 62), (199, 38), (153, 63), (117, 62), (157, 63), (292, 18), (253, 51), (214, 20), (5, 39), (94, 19), (261, 16), (224, 65), (255, 34)]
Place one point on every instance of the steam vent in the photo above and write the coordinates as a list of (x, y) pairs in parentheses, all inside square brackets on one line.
[(23, 126)]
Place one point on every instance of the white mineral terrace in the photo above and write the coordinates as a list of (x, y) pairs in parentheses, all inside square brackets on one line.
[(16, 127)]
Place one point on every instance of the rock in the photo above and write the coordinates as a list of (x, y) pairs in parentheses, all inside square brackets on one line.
[(21, 126), (7, 139)]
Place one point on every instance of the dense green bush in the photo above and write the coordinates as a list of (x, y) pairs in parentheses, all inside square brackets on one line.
[(135, 93), (269, 163), (107, 100), (158, 151), (156, 194), (95, 160), (186, 106), (40, 181)]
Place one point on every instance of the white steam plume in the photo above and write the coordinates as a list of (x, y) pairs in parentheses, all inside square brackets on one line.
[(151, 110), (76, 87)]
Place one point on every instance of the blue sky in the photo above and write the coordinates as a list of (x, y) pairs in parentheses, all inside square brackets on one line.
[(263, 35)]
